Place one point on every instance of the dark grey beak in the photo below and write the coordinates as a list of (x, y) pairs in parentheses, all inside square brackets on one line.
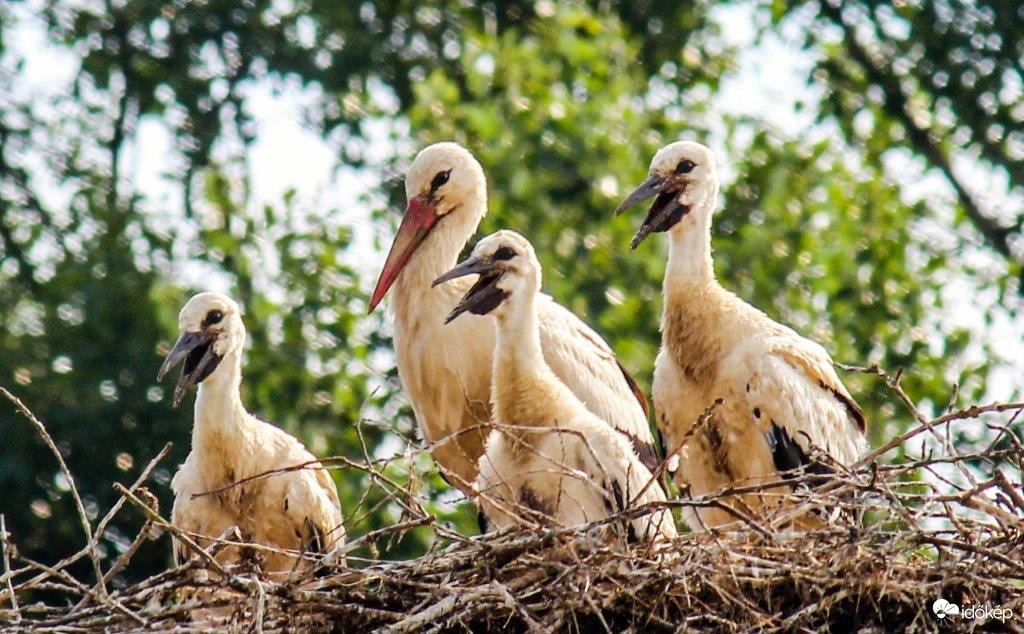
[(187, 342), (665, 211), (648, 188), (196, 349), (484, 296), (472, 266)]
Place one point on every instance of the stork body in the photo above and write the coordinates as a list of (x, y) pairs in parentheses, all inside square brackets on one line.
[(779, 391), (296, 510), (548, 459), (447, 371)]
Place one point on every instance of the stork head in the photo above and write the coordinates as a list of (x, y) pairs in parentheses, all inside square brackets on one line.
[(446, 195), (211, 328), (682, 180), (508, 270)]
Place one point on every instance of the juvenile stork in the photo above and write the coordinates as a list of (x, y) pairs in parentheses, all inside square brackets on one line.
[(295, 510), (548, 459), (447, 371), (780, 393)]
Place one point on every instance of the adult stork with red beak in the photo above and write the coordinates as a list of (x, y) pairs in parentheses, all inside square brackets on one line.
[(447, 371)]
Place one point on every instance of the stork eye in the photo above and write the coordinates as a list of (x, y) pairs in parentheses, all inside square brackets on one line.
[(504, 253), (213, 317), (440, 179), (685, 167)]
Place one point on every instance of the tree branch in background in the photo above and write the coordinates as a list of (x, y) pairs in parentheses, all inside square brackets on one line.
[(897, 103), (12, 248)]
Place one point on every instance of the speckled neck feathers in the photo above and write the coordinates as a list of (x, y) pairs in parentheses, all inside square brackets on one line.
[(694, 300)]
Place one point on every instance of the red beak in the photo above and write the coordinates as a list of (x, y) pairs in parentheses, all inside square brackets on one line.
[(420, 218)]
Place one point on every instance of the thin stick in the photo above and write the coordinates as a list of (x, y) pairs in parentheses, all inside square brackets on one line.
[(82, 516), (102, 526), (155, 518), (7, 568)]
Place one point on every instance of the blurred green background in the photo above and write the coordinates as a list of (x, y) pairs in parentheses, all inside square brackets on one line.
[(884, 219)]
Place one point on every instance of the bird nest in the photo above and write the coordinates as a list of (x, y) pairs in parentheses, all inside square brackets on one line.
[(897, 545)]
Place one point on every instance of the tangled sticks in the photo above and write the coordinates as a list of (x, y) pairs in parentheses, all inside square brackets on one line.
[(943, 524)]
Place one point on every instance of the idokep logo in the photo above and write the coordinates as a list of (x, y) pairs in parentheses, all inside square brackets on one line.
[(945, 610)]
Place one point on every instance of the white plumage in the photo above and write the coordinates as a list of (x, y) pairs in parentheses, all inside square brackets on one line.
[(780, 393), (548, 459), (447, 371), (296, 510)]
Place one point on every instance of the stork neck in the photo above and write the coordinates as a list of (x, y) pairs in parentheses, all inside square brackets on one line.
[(690, 267), (523, 381), (519, 334), (219, 413), (694, 315)]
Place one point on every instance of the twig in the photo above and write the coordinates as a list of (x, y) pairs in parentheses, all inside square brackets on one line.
[(156, 519), (7, 568), (924, 536), (102, 526), (82, 516)]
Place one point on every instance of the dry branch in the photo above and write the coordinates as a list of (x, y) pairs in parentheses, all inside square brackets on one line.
[(893, 539)]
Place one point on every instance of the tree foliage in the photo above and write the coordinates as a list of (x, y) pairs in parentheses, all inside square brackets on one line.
[(943, 79)]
